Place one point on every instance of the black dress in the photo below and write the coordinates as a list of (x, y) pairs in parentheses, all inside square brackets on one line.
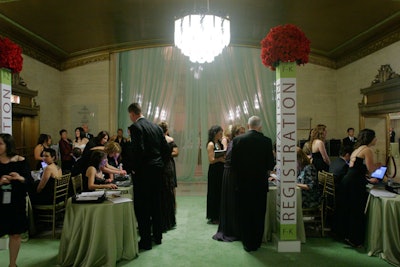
[(319, 163), (352, 198), (45, 197), (13, 216), (228, 228), (168, 219), (214, 185)]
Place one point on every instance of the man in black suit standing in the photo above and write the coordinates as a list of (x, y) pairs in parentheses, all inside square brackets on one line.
[(350, 140), (252, 159), (86, 130), (149, 149)]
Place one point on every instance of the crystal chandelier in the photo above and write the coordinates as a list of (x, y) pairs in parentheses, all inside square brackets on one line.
[(202, 37)]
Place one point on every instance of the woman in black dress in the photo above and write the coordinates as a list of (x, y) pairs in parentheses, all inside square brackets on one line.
[(168, 203), (320, 158), (228, 228), (215, 173), (15, 178), (352, 194)]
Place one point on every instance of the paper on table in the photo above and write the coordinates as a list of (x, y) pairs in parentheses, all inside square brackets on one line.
[(91, 194), (120, 200), (113, 193), (376, 192)]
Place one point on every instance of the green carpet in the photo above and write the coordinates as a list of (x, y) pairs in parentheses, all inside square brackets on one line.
[(190, 244)]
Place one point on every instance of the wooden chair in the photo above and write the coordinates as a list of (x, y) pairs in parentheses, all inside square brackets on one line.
[(315, 216), (49, 213), (329, 195), (77, 183)]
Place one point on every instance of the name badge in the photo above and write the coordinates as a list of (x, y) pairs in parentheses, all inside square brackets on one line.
[(6, 197)]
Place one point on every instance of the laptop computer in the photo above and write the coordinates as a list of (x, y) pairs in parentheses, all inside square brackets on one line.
[(379, 173)]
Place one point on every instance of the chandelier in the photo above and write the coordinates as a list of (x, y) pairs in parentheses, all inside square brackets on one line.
[(202, 37)]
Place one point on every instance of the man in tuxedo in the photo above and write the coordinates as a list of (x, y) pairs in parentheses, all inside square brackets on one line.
[(350, 140), (252, 159), (392, 135), (86, 130), (149, 151)]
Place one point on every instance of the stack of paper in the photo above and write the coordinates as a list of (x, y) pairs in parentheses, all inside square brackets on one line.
[(90, 196)]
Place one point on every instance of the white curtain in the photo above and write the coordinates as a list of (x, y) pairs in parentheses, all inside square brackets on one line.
[(192, 97)]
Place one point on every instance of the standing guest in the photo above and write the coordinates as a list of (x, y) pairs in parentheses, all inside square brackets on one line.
[(85, 128), (215, 173), (228, 228), (94, 176), (168, 183), (350, 140), (392, 135), (96, 143), (44, 141), (119, 138), (150, 150), (80, 140), (14, 181), (44, 192), (320, 158), (252, 159), (77, 163), (352, 192), (340, 166), (226, 138), (307, 180), (65, 145), (127, 154)]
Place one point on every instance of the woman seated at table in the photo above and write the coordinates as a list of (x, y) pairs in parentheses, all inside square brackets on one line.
[(307, 180), (44, 192), (94, 175)]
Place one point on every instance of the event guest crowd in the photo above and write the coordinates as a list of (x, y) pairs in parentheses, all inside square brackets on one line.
[(240, 164)]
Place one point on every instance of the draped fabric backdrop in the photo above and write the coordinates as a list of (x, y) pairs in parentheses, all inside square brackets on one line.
[(192, 97)]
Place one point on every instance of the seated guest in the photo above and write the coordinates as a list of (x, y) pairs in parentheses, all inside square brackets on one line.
[(307, 180), (340, 166), (44, 192), (94, 175)]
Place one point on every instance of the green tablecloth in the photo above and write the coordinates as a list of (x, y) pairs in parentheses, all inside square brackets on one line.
[(383, 229), (270, 216), (98, 234)]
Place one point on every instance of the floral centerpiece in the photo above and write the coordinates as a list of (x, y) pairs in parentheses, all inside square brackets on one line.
[(10, 55), (284, 43)]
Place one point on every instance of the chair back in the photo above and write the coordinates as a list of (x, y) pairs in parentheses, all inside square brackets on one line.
[(77, 183), (329, 191), (61, 188)]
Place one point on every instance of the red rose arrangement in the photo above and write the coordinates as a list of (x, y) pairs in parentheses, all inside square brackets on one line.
[(10, 55), (284, 43)]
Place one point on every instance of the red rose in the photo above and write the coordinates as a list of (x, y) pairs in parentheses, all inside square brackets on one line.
[(284, 43)]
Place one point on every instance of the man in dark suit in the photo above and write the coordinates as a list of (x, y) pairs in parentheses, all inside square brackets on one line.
[(149, 149), (86, 130), (350, 140), (252, 159), (340, 166)]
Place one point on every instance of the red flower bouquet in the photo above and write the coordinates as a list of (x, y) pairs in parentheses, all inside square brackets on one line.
[(10, 55), (284, 43)]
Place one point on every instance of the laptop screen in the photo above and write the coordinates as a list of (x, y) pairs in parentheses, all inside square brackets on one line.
[(379, 173)]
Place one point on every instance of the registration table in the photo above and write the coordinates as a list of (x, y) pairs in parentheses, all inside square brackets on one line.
[(383, 229), (270, 216), (98, 234)]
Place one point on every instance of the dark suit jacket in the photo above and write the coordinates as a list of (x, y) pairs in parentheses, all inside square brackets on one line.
[(339, 169), (252, 159), (347, 142), (150, 149)]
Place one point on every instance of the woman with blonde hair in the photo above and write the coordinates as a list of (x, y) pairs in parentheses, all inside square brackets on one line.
[(320, 157)]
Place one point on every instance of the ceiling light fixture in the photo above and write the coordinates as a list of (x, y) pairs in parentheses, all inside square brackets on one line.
[(202, 37)]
